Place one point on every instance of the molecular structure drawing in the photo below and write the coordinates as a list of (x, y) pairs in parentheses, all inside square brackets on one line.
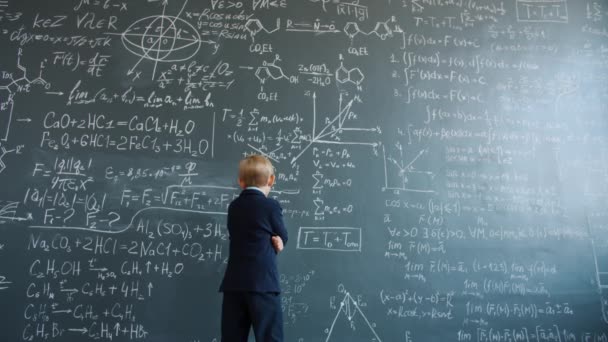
[(15, 86), (255, 26), (272, 71), (347, 313), (381, 30), (344, 75), (3, 153), (161, 38)]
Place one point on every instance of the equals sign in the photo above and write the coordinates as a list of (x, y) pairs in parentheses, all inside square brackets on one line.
[(121, 123), (316, 239), (3, 3)]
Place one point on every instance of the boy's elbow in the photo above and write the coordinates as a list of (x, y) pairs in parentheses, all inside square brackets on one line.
[(283, 233)]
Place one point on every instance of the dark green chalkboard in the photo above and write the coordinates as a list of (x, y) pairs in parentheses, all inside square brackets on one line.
[(442, 166)]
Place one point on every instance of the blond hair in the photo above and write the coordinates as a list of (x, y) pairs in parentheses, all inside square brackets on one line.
[(255, 170)]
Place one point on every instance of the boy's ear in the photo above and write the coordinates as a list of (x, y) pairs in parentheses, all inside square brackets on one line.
[(271, 180), (242, 184)]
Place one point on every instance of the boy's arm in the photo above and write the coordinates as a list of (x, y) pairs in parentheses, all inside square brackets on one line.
[(277, 243), (276, 220), (228, 223)]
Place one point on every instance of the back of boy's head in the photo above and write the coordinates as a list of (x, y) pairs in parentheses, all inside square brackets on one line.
[(255, 170)]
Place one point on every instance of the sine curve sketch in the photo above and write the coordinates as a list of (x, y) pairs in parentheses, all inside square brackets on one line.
[(161, 38)]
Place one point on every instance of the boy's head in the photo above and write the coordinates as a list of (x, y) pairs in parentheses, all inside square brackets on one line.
[(256, 170)]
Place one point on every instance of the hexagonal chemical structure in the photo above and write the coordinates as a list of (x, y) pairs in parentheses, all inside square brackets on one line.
[(351, 29), (342, 74), (275, 71), (254, 26), (383, 31), (356, 76)]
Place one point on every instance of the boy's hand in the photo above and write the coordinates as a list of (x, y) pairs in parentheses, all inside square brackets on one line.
[(277, 243)]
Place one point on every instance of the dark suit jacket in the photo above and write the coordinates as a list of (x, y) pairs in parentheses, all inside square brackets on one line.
[(252, 263)]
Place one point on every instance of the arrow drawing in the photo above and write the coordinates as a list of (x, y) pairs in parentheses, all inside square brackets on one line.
[(331, 133), (350, 310), (406, 172)]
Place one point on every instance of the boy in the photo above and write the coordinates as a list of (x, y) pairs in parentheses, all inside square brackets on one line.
[(257, 234)]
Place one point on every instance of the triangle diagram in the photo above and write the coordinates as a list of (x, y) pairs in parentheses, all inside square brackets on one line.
[(351, 324)]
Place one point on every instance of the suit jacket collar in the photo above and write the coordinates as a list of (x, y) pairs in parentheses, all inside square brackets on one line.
[(248, 192)]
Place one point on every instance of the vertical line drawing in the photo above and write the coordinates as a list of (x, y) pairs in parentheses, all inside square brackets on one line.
[(213, 138), (599, 274)]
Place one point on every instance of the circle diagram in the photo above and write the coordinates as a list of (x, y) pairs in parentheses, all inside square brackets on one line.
[(162, 38)]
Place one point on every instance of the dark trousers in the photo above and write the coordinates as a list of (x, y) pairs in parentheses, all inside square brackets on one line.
[(262, 310)]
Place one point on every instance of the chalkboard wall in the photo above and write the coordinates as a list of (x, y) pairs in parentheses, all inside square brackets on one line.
[(442, 165)]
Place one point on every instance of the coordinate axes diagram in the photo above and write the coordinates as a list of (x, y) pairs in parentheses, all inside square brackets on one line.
[(409, 178), (334, 128), (161, 38)]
